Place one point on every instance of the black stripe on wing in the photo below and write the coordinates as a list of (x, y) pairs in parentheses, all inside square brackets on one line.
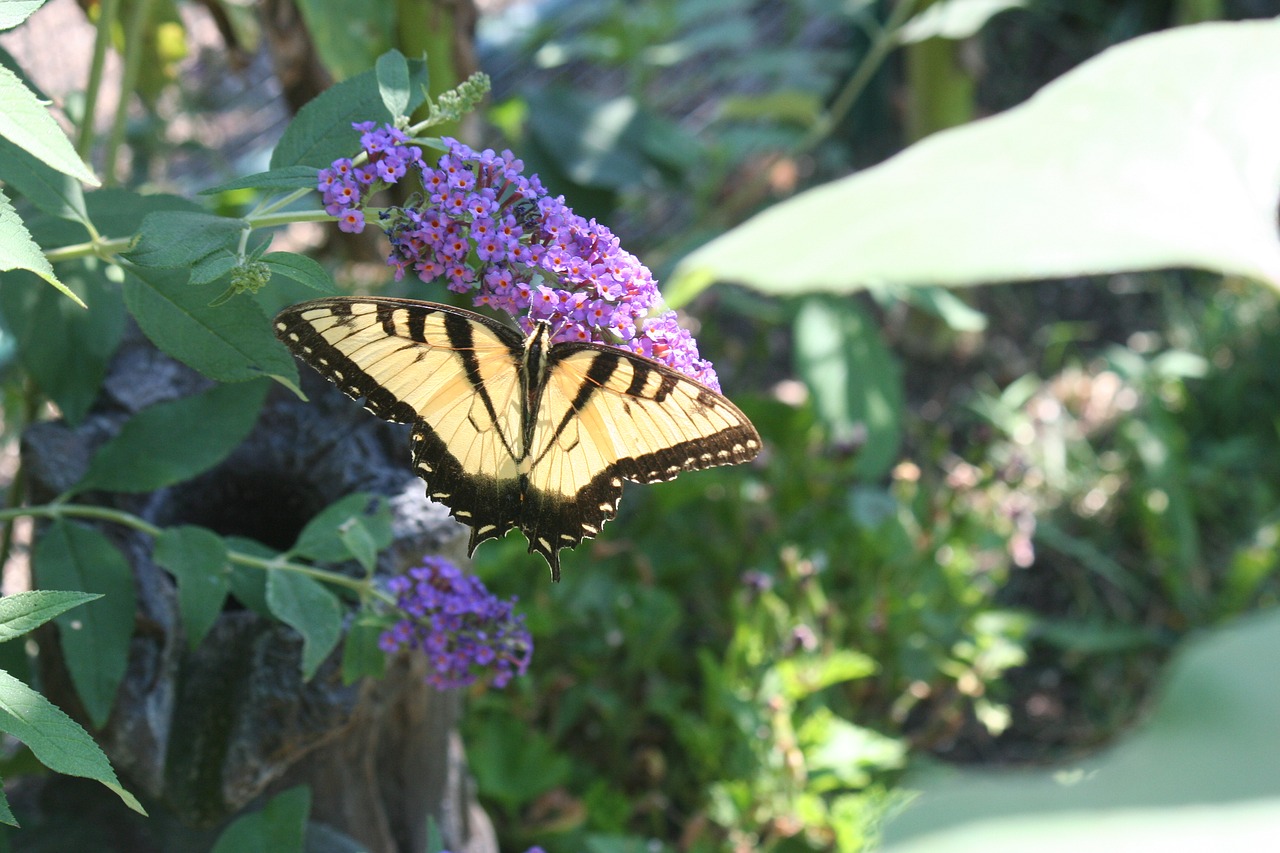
[(552, 521), (300, 335)]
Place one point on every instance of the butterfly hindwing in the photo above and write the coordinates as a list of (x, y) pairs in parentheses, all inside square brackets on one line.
[(606, 416), (453, 374)]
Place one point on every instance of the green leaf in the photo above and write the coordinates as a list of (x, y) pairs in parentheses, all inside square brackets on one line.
[(54, 738), (48, 189), (806, 675), (323, 538), (954, 19), (361, 655), (120, 213), (358, 539), (594, 141), (280, 827), (248, 584), (95, 639), (1154, 154), (197, 557), (855, 381), (349, 36), (287, 178), (23, 612), (321, 132), (19, 252), (65, 348), (179, 238), (392, 71), (945, 305), (313, 611), (301, 269), (229, 343), (174, 441), (513, 764), (26, 122), (6, 814), (847, 752), (14, 12), (213, 267), (435, 841)]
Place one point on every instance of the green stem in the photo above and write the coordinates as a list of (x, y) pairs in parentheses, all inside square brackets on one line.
[(884, 42), (104, 249), (361, 586), (133, 49), (279, 203), (271, 220), (107, 14), (109, 248)]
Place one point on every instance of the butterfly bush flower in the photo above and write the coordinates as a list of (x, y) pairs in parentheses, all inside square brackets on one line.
[(482, 227), (466, 633)]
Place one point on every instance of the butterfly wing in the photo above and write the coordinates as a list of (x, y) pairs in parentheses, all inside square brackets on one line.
[(453, 374), (606, 416)]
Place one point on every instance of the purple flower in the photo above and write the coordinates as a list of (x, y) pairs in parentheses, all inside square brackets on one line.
[(466, 633), (351, 222), (485, 228)]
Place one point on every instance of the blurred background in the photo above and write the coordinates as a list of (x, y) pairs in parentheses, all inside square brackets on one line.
[(981, 552)]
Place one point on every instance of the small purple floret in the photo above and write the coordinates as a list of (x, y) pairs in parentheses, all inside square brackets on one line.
[(487, 230)]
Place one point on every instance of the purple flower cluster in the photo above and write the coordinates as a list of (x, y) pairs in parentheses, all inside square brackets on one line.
[(484, 228), (465, 632)]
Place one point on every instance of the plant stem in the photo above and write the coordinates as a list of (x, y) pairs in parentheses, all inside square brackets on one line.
[(107, 13), (135, 29), (363, 586)]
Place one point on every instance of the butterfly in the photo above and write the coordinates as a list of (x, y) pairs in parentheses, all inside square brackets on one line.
[(513, 431)]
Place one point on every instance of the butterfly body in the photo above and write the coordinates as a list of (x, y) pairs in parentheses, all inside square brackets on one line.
[(515, 431)]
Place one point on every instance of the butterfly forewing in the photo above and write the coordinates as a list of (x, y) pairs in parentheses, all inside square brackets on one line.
[(454, 375)]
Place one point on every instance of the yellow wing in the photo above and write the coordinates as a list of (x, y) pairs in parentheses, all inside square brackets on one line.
[(606, 416), (453, 374)]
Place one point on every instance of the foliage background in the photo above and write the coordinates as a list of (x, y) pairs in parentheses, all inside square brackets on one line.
[(985, 519)]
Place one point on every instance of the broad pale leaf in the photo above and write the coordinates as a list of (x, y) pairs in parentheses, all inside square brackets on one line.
[(953, 19), (1161, 152), (1211, 739), (54, 738), (95, 639)]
